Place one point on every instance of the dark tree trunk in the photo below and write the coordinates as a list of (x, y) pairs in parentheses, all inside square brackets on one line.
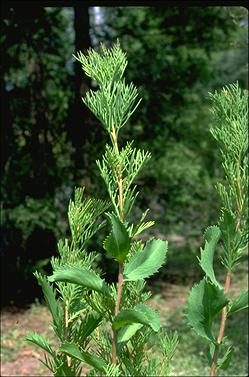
[(7, 137), (79, 114)]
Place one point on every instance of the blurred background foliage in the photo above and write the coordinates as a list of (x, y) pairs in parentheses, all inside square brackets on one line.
[(50, 141)]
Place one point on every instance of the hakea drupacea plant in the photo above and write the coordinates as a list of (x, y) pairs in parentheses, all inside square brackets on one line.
[(107, 327), (209, 299)]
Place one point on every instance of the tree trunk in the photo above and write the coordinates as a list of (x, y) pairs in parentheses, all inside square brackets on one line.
[(79, 117)]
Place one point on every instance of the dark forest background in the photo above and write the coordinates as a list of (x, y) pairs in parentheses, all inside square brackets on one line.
[(50, 141)]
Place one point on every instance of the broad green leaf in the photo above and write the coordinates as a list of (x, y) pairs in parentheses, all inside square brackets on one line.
[(74, 351), (53, 306), (205, 301), (128, 316), (40, 341), (81, 276), (146, 262), (150, 314), (239, 303), (118, 241), (128, 331), (211, 237), (142, 314)]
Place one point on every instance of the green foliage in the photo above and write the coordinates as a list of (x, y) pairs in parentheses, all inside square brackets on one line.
[(40, 341), (91, 322), (224, 362), (125, 333), (169, 343), (239, 303), (205, 302), (36, 151), (146, 262), (182, 53), (166, 49), (129, 162), (37, 100), (211, 237), (81, 213), (53, 305), (118, 242), (225, 349), (98, 323), (140, 314), (80, 276), (115, 101), (207, 299), (33, 213), (230, 110), (74, 351)]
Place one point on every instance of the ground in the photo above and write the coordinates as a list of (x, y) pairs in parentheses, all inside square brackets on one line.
[(20, 359)]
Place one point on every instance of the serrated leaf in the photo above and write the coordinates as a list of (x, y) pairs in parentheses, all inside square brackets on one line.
[(118, 242), (40, 341), (147, 262), (81, 276), (140, 314), (129, 330), (205, 301), (73, 350), (125, 334), (239, 303), (151, 315), (212, 236)]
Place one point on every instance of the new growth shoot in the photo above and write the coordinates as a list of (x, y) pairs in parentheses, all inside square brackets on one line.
[(208, 299), (107, 326)]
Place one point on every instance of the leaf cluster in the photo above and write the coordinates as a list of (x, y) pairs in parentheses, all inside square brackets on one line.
[(230, 112), (84, 306), (115, 101), (208, 298)]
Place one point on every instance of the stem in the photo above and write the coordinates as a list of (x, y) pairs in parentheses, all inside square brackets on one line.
[(66, 331), (228, 277), (120, 178), (221, 329), (120, 266), (116, 310)]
